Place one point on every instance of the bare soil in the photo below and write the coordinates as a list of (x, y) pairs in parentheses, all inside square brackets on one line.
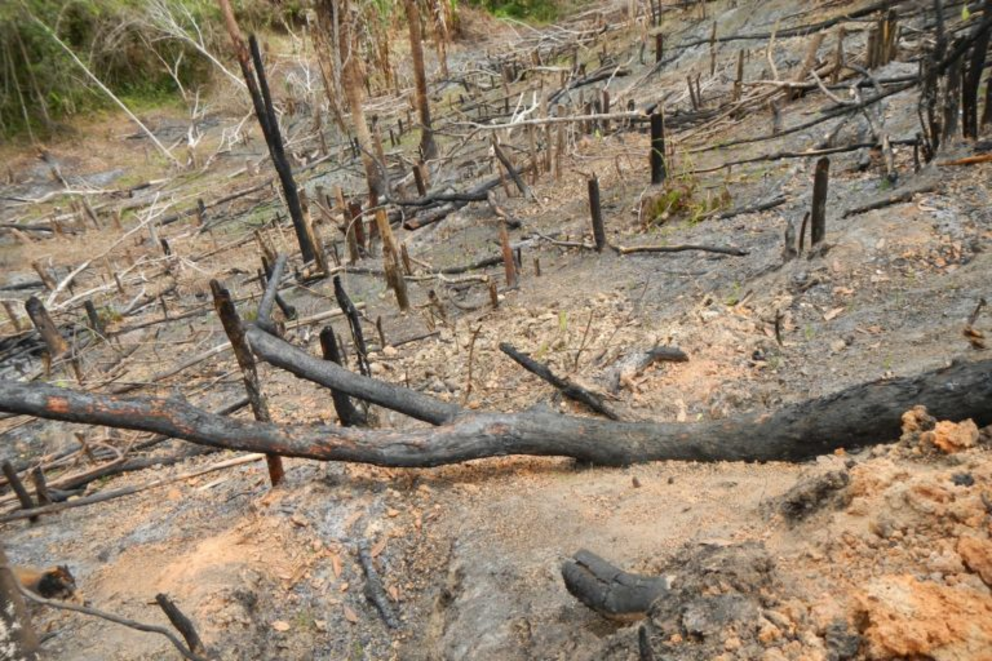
[(896, 562)]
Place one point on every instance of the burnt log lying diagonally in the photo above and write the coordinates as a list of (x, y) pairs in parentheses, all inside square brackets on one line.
[(282, 354), (858, 416), (608, 590)]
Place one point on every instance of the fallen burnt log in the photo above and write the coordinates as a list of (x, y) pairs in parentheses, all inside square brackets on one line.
[(282, 354), (859, 416), (438, 206)]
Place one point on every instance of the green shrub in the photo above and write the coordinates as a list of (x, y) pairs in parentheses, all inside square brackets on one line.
[(540, 11), (119, 41)]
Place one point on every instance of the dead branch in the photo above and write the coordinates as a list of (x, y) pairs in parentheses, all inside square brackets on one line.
[(373, 587), (126, 491), (567, 387), (284, 355), (182, 624), (632, 250)]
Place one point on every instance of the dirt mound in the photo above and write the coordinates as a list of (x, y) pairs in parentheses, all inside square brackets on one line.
[(904, 616), (882, 555)]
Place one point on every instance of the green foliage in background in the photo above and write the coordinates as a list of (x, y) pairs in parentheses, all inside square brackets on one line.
[(121, 41), (537, 11)]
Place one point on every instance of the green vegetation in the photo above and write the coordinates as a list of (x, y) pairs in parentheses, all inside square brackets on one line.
[(538, 11), (147, 52), (680, 197), (117, 41)]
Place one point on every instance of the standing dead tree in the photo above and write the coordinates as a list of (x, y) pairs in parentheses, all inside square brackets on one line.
[(337, 21), (427, 145), (258, 87)]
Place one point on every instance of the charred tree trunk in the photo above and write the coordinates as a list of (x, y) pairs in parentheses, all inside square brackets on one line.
[(246, 361), (46, 327), (969, 96), (608, 590), (862, 415), (258, 89)]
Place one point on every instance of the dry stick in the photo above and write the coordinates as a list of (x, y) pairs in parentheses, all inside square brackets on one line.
[(818, 212), (839, 56), (391, 260), (45, 275), (274, 137), (800, 31), (508, 164), (418, 178), (348, 415), (722, 250), (313, 236), (264, 317), (802, 234), (789, 250), (182, 624), (889, 200), (428, 147), (862, 415), (658, 171), (265, 113), (22, 494), (96, 324), (500, 212), (565, 386), (508, 264), (713, 50), (969, 160), (644, 649), (12, 314), (41, 487), (776, 156), (374, 591), (739, 78), (596, 211), (288, 310), (43, 322), (116, 619), (235, 333), (104, 496), (808, 64), (969, 91), (409, 402), (807, 125), (355, 324), (471, 356)]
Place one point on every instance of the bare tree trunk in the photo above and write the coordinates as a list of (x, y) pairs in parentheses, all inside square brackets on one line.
[(427, 145), (344, 16)]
